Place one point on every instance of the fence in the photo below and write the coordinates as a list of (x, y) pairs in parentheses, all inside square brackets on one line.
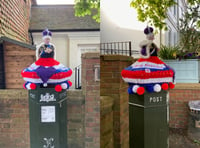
[(117, 48)]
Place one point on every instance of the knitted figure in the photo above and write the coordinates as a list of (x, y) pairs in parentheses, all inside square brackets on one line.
[(148, 73), (46, 70), (47, 36)]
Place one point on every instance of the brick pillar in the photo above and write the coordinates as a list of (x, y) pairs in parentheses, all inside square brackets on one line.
[(90, 89), (113, 85), (106, 120)]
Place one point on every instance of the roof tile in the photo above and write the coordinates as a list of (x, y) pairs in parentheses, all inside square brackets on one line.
[(59, 17)]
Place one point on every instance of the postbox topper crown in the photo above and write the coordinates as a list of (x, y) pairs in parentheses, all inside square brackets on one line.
[(148, 73)]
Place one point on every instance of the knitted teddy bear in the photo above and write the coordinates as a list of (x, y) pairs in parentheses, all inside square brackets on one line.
[(148, 73)]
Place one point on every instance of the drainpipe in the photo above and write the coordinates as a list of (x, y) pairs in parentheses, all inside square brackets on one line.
[(31, 37)]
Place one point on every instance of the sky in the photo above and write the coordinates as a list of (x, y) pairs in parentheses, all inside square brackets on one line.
[(120, 13), (53, 2)]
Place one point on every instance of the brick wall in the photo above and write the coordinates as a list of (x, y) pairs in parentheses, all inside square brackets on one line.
[(106, 121), (17, 56), (14, 119), (14, 122), (90, 89), (112, 85), (179, 98), (14, 19)]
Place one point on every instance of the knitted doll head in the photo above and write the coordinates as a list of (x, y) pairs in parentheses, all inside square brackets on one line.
[(46, 36)]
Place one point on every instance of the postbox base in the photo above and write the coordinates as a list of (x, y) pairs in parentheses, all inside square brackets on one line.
[(48, 118), (148, 120)]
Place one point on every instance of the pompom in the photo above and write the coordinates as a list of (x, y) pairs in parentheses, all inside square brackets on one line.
[(28, 86), (165, 86), (140, 91), (45, 84), (64, 85), (24, 86), (58, 88), (157, 88), (135, 87), (150, 88), (70, 83), (171, 85), (33, 86), (130, 91)]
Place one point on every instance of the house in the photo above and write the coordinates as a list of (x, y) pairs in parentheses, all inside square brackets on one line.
[(72, 35), (14, 19), (174, 14)]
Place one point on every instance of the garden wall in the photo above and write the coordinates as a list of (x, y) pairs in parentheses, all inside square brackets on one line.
[(179, 98)]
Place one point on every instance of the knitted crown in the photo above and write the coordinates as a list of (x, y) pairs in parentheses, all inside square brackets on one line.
[(46, 34), (148, 30)]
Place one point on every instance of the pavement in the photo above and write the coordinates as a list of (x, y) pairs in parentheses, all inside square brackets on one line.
[(178, 138)]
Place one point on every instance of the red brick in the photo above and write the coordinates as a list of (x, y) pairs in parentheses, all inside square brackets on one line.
[(16, 22)]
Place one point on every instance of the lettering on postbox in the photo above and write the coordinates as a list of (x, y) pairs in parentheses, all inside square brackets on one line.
[(155, 99), (32, 95), (47, 98), (49, 143)]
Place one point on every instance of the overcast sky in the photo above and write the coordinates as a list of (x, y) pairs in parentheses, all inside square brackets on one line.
[(52, 2), (121, 14)]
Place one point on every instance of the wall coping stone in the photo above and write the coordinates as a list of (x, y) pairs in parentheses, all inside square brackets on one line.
[(19, 43), (23, 94), (90, 55), (188, 86)]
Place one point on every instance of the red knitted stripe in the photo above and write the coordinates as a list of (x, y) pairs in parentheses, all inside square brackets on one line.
[(144, 75), (47, 62), (59, 75), (153, 59)]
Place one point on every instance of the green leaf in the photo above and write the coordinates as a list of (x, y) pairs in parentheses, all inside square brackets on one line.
[(152, 11), (88, 8)]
